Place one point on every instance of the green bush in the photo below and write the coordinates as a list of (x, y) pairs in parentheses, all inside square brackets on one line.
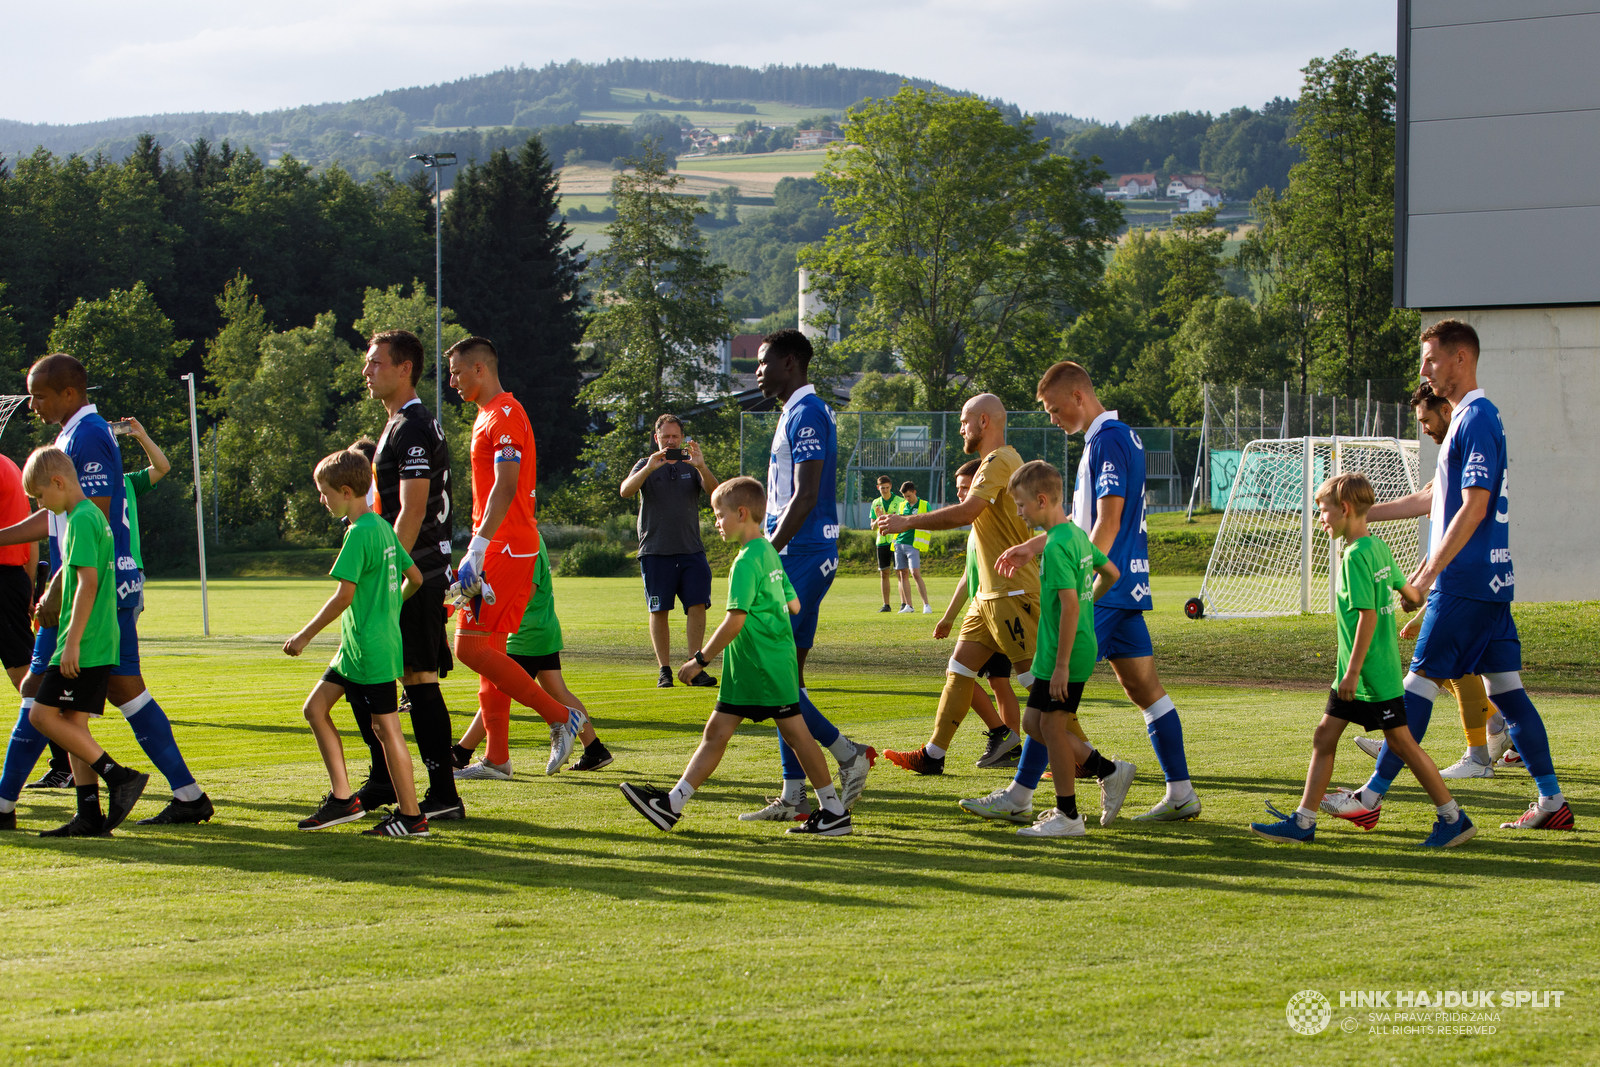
[(592, 559)]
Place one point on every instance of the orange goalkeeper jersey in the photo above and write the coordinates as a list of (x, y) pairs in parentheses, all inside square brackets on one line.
[(502, 434)]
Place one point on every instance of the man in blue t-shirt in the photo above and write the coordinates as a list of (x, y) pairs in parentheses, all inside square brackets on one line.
[(58, 391), (1468, 627), (802, 522), (1108, 504)]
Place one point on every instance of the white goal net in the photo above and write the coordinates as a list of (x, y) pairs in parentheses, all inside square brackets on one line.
[(8, 406), (1271, 556)]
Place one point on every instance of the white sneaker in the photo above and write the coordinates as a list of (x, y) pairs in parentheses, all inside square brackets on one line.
[(1499, 744), (999, 805), (1512, 760), (1114, 790), (562, 737), (905, 609), (1370, 745), (1467, 767), (1054, 824), (500, 772), (853, 775), (927, 609), (780, 810), (1167, 811)]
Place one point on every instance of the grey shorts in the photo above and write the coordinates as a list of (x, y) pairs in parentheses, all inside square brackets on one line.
[(906, 557)]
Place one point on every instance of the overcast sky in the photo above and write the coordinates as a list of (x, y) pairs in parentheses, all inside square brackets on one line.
[(78, 60)]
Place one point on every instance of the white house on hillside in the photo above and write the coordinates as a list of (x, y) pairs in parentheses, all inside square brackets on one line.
[(1183, 184), (1137, 184), (1200, 199)]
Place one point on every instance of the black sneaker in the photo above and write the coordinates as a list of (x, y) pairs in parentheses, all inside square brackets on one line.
[(654, 804), (8, 820), (884, 609), (1012, 758), (821, 824), (449, 810), (122, 799), (333, 812), (460, 758), (703, 679), (664, 679), (594, 757), (52, 779), (181, 812), (79, 827), (374, 795), (396, 825), (1001, 742)]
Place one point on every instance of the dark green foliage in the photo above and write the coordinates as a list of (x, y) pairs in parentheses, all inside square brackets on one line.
[(592, 559), (765, 247), (1244, 150)]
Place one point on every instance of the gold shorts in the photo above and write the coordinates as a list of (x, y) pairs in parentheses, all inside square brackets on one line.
[(1008, 625)]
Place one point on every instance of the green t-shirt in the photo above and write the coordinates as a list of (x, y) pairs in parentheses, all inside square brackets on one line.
[(1067, 569), (137, 485), (908, 508), (760, 665), (540, 632), (87, 543), (369, 630), (972, 565), (881, 507), (1368, 577)]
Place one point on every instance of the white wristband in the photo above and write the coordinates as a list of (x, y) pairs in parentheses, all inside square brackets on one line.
[(478, 545)]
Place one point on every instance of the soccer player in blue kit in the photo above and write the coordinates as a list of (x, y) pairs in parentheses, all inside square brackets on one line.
[(803, 525), (1108, 505), (1468, 627), (58, 393)]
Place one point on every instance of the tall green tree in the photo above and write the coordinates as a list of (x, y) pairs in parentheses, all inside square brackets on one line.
[(658, 317), (127, 346), (511, 277), (957, 228)]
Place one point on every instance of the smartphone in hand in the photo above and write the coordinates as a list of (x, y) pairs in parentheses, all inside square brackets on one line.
[(122, 427), (676, 455)]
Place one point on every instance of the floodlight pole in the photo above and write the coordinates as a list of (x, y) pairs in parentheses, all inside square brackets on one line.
[(437, 161), (199, 507)]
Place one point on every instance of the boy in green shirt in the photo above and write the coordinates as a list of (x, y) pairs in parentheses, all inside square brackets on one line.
[(369, 567), (73, 689), (1371, 687), (1073, 574), (761, 673), (885, 503), (536, 648), (908, 549)]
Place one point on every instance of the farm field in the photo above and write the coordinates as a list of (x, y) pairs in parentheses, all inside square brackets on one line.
[(555, 925)]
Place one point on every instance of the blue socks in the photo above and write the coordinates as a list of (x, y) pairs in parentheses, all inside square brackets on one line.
[(824, 731), (1166, 737), (1031, 767), (154, 734), (1419, 711), (27, 745), (1528, 734)]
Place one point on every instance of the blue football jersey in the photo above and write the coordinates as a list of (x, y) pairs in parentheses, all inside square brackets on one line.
[(87, 438), (1473, 456), (1113, 465), (805, 432)]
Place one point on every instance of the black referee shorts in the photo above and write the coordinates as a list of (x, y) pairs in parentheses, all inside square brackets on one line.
[(424, 638), (16, 622)]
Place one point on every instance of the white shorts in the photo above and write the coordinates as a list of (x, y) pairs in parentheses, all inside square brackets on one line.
[(906, 557)]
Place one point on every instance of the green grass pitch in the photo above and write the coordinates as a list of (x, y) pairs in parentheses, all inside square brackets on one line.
[(556, 927)]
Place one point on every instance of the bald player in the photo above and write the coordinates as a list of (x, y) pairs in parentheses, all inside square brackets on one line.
[(1004, 615), (1108, 503)]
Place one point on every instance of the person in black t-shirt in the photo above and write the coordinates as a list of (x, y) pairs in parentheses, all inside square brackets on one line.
[(412, 479)]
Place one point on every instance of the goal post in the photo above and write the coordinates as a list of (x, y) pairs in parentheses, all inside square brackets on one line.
[(1271, 556)]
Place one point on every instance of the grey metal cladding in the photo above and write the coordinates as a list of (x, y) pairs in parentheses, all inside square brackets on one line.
[(1505, 162), (1460, 12), (1502, 258), (1516, 67)]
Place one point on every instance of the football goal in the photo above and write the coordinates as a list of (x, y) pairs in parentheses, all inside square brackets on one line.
[(1271, 556)]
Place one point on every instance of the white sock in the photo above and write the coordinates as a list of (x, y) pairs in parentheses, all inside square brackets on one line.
[(190, 792), (933, 750), (843, 749), (680, 793), (829, 798), (1479, 754), (1019, 794), (1369, 799), (1179, 792), (1304, 817), (1552, 803), (1496, 723), (7, 805), (794, 790), (1449, 811)]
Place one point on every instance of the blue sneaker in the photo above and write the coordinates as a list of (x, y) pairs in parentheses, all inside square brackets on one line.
[(1451, 834), (1287, 829)]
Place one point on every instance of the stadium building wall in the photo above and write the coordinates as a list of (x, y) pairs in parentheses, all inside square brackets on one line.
[(1497, 222)]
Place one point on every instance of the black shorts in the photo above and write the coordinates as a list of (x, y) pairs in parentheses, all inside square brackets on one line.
[(759, 712), (886, 557), (1039, 696), (1368, 714), (997, 667), (685, 578), (86, 692), (16, 622), (378, 698), (424, 635), (550, 661)]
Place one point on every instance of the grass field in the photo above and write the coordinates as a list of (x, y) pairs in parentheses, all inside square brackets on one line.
[(555, 926)]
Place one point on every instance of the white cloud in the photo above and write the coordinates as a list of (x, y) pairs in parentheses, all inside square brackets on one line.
[(86, 59)]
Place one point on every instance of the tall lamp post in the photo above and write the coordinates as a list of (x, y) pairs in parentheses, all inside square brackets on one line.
[(436, 162)]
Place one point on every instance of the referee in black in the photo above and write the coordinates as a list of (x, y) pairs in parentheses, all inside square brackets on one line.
[(411, 472)]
